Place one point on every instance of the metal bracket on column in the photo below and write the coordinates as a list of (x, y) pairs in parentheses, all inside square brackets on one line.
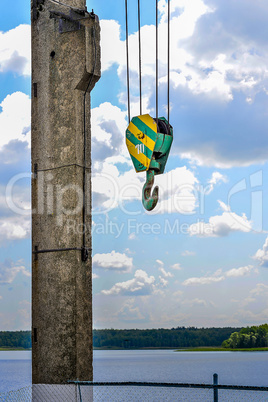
[(35, 171), (84, 254), (71, 22), (84, 251)]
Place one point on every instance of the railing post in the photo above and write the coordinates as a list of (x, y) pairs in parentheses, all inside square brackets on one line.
[(215, 388), (80, 395)]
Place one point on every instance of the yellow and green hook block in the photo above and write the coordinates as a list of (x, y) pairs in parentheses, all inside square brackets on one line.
[(149, 141)]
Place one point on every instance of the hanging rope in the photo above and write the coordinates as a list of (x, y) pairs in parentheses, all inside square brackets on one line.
[(162, 137), (168, 67), (139, 26), (128, 99), (156, 60)]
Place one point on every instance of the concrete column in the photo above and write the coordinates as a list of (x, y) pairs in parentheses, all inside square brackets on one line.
[(65, 64)]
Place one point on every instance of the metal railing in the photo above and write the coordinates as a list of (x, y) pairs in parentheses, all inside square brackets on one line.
[(150, 391), (86, 391)]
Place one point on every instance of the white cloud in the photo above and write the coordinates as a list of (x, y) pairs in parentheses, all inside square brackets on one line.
[(213, 84), (110, 33), (140, 285), (226, 58), (18, 320), (262, 254), (183, 23), (15, 50), (16, 154), (187, 253), (221, 225), (254, 308), (205, 280), (216, 178), (113, 189), (15, 118), (184, 71), (14, 228), (220, 276), (242, 271), (16, 196), (163, 281), (195, 302), (128, 312), (128, 251), (177, 192), (95, 276), (176, 266), (108, 124), (250, 318), (208, 70), (260, 290), (178, 295), (224, 207), (165, 273), (15, 208), (113, 261), (9, 271), (24, 314)]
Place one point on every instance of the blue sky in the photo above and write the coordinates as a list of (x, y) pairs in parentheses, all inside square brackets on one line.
[(201, 257)]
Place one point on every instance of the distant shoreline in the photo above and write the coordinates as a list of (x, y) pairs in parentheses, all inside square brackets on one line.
[(3, 349), (197, 349), (219, 349)]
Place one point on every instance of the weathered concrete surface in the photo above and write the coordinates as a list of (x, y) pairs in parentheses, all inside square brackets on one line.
[(61, 281)]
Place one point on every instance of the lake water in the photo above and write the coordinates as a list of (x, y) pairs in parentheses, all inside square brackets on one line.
[(233, 368), (15, 370)]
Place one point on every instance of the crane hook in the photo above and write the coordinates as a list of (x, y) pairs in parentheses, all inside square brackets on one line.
[(149, 201)]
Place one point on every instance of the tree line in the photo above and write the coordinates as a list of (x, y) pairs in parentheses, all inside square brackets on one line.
[(15, 339), (136, 338), (249, 337), (179, 337)]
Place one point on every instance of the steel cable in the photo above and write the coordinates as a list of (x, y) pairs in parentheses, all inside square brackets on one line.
[(156, 60), (139, 26), (168, 79), (128, 99)]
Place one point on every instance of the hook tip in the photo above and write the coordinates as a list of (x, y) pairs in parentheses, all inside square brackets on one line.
[(149, 201)]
